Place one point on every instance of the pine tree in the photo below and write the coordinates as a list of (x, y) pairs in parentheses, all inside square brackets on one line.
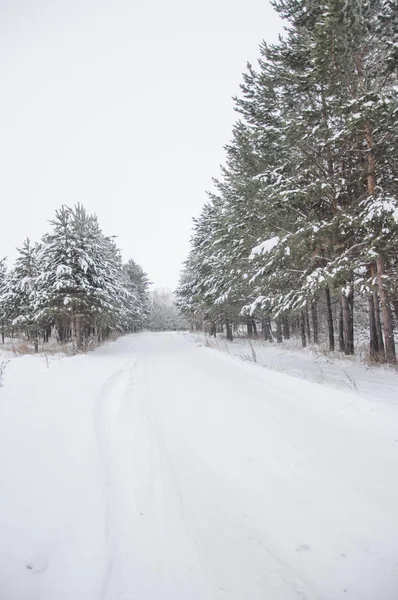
[(19, 292)]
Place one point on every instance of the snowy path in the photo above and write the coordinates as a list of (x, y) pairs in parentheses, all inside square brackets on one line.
[(156, 470)]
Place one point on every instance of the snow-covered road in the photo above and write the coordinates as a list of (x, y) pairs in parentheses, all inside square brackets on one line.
[(153, 469)]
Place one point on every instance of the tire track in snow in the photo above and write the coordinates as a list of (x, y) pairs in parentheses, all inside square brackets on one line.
[(117, 383), (190, 477), (150, 555)]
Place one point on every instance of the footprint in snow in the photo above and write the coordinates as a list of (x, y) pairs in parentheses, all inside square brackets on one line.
[(38, 563)]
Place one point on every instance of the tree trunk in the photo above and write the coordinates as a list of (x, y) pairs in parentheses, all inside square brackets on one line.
[(254, 328), (286, 328), (348, 322), (351, 304), (249, 326), (371, 160), (279, 330), (36, 341), (230, 336), (384, 300), (78, 333), (373, 341), (269, 326), (395, 305), (61, 331), (329, 319), (387, 314), (294, 326), (2, 333), (269, 323), (46, 334), (73, 334), (379, 331), (264, 329), (302, 329), (376, 307), (314, 314), (307, 323), (341, 328)]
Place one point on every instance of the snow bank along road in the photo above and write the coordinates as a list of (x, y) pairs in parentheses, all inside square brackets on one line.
[(153, 469)]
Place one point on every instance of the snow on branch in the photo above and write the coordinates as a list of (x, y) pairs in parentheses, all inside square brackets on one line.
[(265, 246)]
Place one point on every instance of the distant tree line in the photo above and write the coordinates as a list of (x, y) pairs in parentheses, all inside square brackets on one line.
[(164, 315), (72, 285), (301, 232)]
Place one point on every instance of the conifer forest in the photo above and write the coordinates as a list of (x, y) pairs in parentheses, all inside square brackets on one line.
[(300, 235), (72, 286)]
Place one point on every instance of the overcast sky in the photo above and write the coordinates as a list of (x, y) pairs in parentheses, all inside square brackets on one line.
[(123, 106)]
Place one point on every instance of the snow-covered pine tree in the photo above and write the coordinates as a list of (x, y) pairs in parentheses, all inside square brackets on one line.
[(66, 288), (18, 295), (74, 284), (312, 166), (83, 288)]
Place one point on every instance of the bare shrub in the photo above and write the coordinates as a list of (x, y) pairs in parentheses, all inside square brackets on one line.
[(253, 352), (3, 366), (245, 357), (114, 336), (90, 342), (21, 347), (351, 381)]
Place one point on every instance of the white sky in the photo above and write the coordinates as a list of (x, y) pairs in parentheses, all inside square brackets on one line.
[(123, 106)]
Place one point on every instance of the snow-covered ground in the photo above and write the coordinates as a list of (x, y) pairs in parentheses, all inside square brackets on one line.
[(158, 469), (312, 364)]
